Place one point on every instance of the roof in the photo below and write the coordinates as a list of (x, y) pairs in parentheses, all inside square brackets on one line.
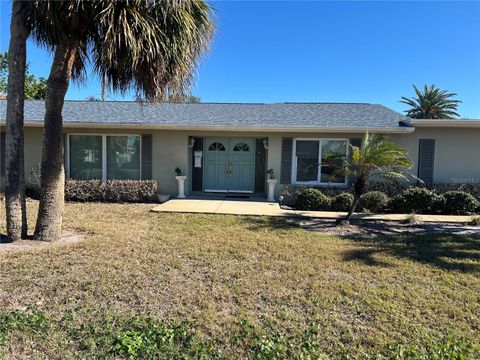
[(239, 116)]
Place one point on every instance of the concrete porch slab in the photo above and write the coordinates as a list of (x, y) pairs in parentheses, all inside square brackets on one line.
[(251, 208), (223, 206), (263, 208)]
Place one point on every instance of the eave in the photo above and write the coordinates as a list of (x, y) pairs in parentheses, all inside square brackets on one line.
[(445, 123), (232, 128)]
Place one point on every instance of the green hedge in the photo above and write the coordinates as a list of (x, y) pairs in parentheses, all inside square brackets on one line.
[(373, 202), (313, 199), (342, 202), (412, 200), (458, 203), (290, 192), (416, 200)]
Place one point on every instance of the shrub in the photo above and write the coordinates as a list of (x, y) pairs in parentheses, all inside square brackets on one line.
[(289, 195), (416, 200), (373, 201), (458, 203), (111, 190), (471, 188), (342, 202), (312, 199)]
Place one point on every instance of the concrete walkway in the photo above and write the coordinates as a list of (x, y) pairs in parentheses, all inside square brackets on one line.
[(247, 207)]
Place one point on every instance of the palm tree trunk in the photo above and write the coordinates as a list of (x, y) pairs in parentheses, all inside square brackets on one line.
[(50, 211), (15, 205), (358, 190), (356, 200)]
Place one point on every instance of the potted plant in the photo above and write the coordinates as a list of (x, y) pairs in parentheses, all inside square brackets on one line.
[(270, 174), (178, 171)]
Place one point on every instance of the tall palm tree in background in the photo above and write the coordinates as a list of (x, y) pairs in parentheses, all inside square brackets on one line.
[(377, 157), (152, 47), (14, 158), (432, 103)]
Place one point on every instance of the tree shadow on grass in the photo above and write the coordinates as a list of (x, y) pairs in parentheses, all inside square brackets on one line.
[(442, 245), (445, 251), (270, 222)]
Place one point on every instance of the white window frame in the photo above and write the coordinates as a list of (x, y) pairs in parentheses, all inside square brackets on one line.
[(104, 152), (319, 174)]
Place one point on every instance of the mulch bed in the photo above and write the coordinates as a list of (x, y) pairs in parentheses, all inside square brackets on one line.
[(385, 228), (68, 237)]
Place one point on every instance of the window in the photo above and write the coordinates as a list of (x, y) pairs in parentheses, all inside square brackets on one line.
[(123, 157), (241, 147), (216, 146), (316, 161), (85, 157), (307, 160), (333, 154), (104, 157)]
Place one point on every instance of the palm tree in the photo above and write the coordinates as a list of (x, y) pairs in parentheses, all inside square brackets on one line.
[(14, 158), (151, 47), (377, 157), (432, 103)]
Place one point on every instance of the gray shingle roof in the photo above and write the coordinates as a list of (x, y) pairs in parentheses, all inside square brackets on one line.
[(276, 115)]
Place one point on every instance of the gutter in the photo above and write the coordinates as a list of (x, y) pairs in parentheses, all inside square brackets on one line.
[(233, 128), (445, 123)]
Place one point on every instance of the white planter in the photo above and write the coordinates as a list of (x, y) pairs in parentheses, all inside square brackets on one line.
[(271, 189), (181, 186), (162, 198)]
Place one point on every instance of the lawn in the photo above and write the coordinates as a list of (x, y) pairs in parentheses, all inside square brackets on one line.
[(151, 285)]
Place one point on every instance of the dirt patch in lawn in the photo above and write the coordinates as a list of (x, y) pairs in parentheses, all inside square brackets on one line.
[(377, 229), (68, 237)]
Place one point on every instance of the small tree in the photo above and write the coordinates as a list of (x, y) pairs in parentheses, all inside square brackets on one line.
[(377, 157), (432, 103), (35, 87)]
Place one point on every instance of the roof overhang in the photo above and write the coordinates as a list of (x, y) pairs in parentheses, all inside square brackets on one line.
[(445, 123), (234, 128)]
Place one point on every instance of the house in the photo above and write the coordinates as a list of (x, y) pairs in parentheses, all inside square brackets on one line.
[(229, 147)]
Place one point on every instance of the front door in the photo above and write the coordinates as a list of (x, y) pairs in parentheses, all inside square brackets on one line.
[(229, 165)]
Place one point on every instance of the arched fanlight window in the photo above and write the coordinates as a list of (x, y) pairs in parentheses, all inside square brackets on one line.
[(241, 147), (216, 146)]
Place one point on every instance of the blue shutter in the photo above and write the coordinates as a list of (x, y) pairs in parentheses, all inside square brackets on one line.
[(286, 162), (146, 156), (426, 158)]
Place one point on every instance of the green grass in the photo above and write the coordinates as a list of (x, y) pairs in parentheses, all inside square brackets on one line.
[(149, 285)]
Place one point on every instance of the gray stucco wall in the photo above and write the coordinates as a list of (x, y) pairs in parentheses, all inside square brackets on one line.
[(457, 151)]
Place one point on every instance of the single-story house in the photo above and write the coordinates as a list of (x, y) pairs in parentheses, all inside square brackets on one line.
[(227, 148)]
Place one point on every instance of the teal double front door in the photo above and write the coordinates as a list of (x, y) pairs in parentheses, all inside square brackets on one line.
[(229, 165)]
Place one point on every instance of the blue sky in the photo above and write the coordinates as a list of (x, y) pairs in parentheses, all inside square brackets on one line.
[(275, 51)]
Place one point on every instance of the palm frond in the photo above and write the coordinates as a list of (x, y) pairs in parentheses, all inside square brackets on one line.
[(431, 103), (151, 47)]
